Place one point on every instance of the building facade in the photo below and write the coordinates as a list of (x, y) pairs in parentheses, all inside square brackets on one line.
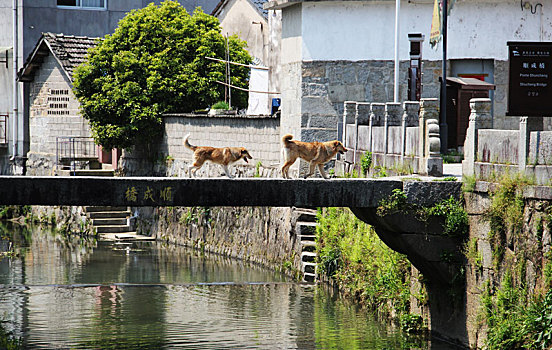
[(91, 18), (334, 51)]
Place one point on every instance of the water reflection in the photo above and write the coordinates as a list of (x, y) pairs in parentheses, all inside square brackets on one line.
[(84, 294)]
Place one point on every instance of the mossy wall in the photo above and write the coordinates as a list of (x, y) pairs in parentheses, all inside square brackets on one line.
[(508, 270), (263, 235)]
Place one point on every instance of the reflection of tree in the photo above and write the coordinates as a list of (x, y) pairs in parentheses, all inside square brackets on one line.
[(126, 317), (341, 324)]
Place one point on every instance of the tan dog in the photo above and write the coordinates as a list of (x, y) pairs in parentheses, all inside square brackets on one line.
[(224, 156), (317, 153)]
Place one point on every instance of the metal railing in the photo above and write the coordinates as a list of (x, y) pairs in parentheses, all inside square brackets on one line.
[(3, 129), (73, 149)]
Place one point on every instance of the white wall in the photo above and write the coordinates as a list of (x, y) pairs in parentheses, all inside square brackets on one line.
[(291, 35), (355, 31), (237, 17)]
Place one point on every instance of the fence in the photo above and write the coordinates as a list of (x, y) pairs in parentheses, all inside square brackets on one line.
[(404, 137), (489, 153), (73, 149), (3, 129)]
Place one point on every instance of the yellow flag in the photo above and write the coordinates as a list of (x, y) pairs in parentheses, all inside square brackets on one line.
[(435, 33), (436, 22)]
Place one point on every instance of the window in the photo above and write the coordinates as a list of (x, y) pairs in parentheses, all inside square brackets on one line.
[(83, 4), (58, 101)]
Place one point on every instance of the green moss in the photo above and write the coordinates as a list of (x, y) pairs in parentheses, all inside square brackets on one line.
[(471, 251), (468, 183), (448, 178), (366, 162)]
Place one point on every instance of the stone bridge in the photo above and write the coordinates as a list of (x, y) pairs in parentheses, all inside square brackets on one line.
[(422, 242)]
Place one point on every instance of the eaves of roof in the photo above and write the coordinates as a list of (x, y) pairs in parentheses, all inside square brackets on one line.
[(69, 50)]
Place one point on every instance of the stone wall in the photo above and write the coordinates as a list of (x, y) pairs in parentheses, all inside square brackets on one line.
[(260, 136), (525, 253), (263, 235)]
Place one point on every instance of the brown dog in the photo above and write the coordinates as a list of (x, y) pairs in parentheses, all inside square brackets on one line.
[(224, 156), (317, 153)]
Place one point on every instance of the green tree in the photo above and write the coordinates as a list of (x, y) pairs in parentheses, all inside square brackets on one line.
[(155, 63)]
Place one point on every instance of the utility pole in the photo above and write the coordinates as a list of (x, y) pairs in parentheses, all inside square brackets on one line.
[(15, 101), (443, 107)]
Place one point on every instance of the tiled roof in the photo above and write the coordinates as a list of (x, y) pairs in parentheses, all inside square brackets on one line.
[(69, 50), (259, 4)]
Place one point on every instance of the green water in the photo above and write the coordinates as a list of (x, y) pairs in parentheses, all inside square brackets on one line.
[(82, 294)]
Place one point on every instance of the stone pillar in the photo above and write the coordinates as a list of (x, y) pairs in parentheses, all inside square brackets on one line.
[(409, 118), (431, 161), (349, 113), (480, 118), (392, 118), (526, 125), (377, 112), (362, 117)]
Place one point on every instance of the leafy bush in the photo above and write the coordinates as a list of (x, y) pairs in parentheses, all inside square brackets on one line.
[(350, 251), (220, 105), (366, 162), (456, 217)]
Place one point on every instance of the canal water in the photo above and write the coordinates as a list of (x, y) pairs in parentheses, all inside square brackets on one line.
[(82, 294)]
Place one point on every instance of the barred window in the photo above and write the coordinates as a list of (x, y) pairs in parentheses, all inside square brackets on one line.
[(83, 4), (58, 101)]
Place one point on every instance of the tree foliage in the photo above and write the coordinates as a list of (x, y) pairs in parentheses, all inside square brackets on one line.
[(155, 63)]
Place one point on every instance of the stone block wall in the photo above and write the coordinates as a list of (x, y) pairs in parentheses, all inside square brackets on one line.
[(54, 112), (263, 235), (260, 136), (525, 254)]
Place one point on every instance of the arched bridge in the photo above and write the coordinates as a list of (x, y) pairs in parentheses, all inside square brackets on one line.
[(422, 242)]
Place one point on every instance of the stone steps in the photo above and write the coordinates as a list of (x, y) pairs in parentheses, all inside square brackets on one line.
[(86, 172), (305, 228), (93, 209), (112, 224), (112, 228), (109, 214), (109, 221)]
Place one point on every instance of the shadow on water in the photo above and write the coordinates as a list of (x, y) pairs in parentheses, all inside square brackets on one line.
[(80, 293)]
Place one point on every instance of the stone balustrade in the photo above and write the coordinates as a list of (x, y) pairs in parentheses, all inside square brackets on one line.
[(404, 137)]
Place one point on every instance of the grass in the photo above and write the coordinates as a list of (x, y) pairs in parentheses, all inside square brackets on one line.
[(350, 252)]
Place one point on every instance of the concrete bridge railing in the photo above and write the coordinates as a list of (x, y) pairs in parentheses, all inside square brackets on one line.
[(490, 152), (398, 136)]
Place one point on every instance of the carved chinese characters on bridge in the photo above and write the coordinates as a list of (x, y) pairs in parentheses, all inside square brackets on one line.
[(149, 195), (530, 85)]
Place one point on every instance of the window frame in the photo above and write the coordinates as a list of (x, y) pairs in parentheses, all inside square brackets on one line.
[(80, 7)]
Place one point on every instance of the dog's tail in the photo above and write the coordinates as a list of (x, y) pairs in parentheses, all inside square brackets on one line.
[(187, 144), (286, 139)]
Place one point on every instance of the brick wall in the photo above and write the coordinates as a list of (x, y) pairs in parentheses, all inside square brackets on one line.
[(260, 136), (54, 111)]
